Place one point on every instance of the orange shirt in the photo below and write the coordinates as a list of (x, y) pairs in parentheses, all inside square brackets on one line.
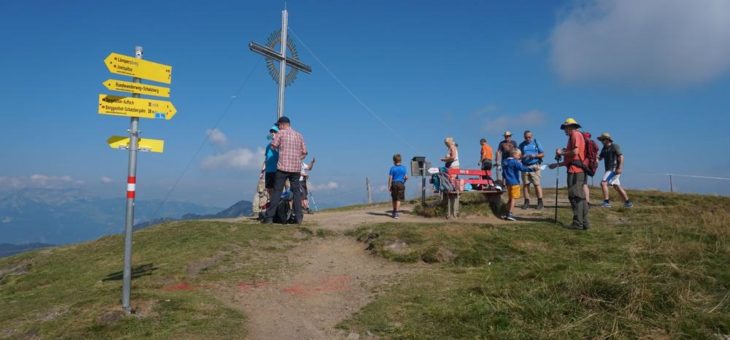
[(487, 152), (575, 140)]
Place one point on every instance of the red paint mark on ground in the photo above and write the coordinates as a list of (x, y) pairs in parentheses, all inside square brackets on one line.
[(327, 284), (176, 287), (244, 286)]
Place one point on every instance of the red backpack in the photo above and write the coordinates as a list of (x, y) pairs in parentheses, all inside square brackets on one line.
[(590, 157)]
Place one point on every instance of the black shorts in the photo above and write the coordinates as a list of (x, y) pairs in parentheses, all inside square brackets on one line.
[(398, 191), (269, 180)]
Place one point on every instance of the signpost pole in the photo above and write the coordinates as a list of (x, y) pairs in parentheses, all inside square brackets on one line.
[(131, 190)]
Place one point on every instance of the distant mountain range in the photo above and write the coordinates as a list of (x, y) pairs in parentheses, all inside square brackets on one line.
[(7, 249), (240, 208), (60, 216)]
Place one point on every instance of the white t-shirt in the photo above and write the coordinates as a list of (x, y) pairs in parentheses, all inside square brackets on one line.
[(303, 173)]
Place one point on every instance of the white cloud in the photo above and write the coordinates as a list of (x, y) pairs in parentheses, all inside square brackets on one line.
[(647, 42), (106, 180), (325, 186), (237, 159), (526, 120), (39, 181), (217, 137)]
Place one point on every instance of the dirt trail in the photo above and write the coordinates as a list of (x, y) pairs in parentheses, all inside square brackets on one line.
[(325, 280)]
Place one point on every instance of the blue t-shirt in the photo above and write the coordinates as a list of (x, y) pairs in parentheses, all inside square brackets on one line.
[(511, 171), (533, 148), (272, 158), (398, 173)]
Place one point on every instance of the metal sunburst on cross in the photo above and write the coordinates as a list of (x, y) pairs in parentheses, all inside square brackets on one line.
[(280, 75)]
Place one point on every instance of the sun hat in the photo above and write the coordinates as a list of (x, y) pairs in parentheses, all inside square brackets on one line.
[(570, 122), (274, 128), (604, 136)]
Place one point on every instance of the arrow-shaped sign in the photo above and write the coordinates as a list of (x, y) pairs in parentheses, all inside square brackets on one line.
[(143, 144), (140, 68), (135, 107), (139, 88)]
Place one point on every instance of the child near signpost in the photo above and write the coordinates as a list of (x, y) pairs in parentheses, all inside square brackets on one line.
[(511, 168)]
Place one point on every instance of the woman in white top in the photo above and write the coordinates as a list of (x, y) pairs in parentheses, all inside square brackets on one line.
[(452, 157), (303, 183)]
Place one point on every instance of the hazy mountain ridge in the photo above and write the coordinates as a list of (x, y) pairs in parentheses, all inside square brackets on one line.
[(238, 209), (62, 216)]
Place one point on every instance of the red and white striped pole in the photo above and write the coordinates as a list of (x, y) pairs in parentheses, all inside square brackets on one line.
[(131, 186)]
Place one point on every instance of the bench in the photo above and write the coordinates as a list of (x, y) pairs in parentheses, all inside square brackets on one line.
[(475, 179)]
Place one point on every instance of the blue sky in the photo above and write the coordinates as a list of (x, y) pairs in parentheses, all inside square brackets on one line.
[(653, 73)]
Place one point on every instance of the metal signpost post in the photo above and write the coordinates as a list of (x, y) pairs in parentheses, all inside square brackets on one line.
[(135, 108), (280, 75)]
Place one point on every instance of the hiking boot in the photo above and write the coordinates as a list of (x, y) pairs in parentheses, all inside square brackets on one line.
[(394, 215), (576, 226), (510, 217), (526, 205), (606, 204), (539, 204), (628, 204)]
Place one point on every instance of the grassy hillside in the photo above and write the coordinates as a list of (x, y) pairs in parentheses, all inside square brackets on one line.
[(75, 291), (659, 270)]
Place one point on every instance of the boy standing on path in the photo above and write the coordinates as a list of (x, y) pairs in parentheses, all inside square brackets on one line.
[(511, 168), (614, 164), (532, 154), (397, 183)]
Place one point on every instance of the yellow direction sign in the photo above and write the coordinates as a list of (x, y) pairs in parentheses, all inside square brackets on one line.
[(140, 68), (135, 107), (143, 144), (128, 86)]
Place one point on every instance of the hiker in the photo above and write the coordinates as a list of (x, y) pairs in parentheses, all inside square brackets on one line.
[(614, 165), (260, 197), (504, 150), (451, 159), (292, 151), (573, 155), (486, 161), (271, 159), (304, 176), (532, 154), (511, 168), (397, 183)]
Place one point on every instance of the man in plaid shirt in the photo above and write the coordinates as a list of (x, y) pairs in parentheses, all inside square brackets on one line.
[(292, 151)]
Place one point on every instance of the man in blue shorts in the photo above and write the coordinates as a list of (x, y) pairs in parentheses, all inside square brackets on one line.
[(614, 163)]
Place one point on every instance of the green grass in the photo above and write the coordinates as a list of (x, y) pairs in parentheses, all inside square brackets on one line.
[(62, 292), (659, 270)]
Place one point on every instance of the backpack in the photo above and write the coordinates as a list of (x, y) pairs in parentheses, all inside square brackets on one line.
[(590, 155), (283, 212)]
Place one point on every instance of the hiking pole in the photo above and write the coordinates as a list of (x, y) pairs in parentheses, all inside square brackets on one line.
[(557, 177)]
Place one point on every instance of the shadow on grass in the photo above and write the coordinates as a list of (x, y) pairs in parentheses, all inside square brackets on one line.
[(537, 219), (138, 271), (388, 213)]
